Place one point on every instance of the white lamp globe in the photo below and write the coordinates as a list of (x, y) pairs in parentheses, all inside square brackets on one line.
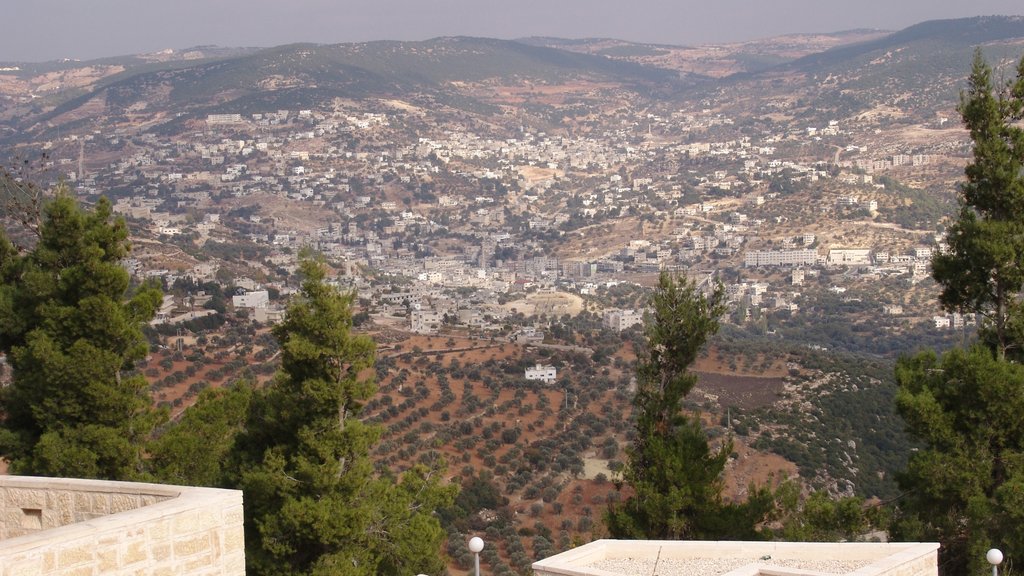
[(994, 556), (476, 544)]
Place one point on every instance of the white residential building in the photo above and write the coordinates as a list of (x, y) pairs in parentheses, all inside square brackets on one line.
[(253, 299), (213, 119), (807, 257), (849, 257), (546, 374), (620, 320), (425, 321), (797, 277)]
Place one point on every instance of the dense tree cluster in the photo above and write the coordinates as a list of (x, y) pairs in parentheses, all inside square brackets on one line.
[(965, 487), (72, 333), (71, 327)]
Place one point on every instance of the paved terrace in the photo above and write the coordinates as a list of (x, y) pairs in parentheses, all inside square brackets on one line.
[(702, 558)]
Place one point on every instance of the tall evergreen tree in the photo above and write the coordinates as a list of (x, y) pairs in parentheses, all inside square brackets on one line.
[(314, 504), (965, 487), (72, 336), (983, 270), (675, 476)]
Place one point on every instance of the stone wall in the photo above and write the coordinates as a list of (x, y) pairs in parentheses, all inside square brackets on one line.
[(62, 527)]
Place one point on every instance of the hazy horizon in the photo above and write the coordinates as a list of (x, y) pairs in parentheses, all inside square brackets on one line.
[(45, 30)]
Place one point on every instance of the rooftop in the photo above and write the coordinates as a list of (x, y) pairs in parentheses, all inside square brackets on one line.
[(706, 558)]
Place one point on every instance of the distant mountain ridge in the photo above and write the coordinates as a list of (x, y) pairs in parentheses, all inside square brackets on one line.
[(304, 75), (954, 33), (926, 60)]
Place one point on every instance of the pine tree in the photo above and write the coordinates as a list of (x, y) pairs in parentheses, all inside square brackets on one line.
[(965, 486), (193, 451), (675, 476), (314, 504), (983, 270), (72, 337)]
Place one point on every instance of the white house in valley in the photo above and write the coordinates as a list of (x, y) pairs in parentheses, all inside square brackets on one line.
[(546, 374)]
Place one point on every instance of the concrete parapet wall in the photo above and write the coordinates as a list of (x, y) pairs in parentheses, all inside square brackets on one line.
[(63, 527)]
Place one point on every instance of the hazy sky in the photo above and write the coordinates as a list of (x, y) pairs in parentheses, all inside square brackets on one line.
[(38, 30)]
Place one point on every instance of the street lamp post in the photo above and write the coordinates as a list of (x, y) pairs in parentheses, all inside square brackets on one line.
[(476, 544), (994, 557)]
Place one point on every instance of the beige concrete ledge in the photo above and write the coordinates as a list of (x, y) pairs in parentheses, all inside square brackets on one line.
[(58, 527), (706, 558)]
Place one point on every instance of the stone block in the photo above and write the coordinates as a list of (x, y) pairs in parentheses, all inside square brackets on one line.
[(60, 499), (134, 552), (161, 552), (26, 567), (106, 559), (234, 540), (190, 545), (49, 561), (52, 518), (216, 542), (80, 553), (105, 540), (138, 531), (160, 529), (92, 503), (185, 523), (206, 520), (123, 502), (196, 564), (234, 564), (27, 498), (12, 517), (234, 516)]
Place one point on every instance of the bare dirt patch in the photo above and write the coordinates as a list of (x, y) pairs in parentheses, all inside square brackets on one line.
[(550, 303), (745, 392), (752, 467), (534, 174), (600, 240), (550, 94), (288, 214)]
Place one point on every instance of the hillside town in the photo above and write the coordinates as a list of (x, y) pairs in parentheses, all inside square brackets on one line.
[(417, 213), (409, 296)]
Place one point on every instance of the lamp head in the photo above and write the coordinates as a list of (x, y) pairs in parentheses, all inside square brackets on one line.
[(994, 556), (476, 544)]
